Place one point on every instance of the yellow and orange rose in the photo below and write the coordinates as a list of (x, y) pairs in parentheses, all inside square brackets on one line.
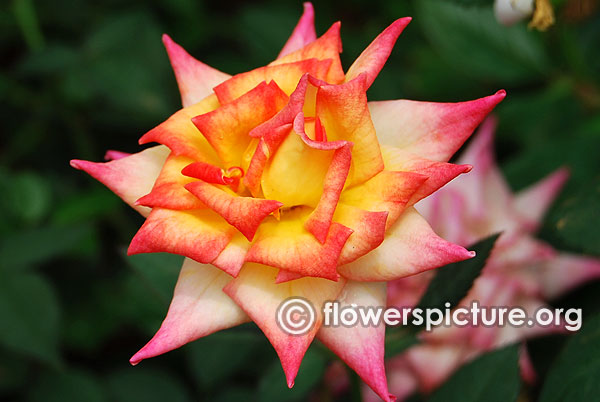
[(285, 181)]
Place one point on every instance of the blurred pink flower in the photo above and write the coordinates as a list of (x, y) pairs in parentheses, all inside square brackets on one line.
[(521, 270)]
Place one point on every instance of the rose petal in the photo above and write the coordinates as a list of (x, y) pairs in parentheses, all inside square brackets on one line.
[(327, 48), (199, 308), (388, 191), (303, 34), (286, 244), (343, 112), (181, 136), (194, 78), (533, 202), (361, 347), (256, 292), (227, 128), (373, 58), (244, 213), (285, 75), (431, 130), (169, 191), (410, 247), (129, 177), (198, 234), (438, 173)]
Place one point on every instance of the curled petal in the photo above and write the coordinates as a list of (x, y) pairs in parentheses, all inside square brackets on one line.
[(361, 347), (368, 231), (198, 234), (194, 78), (438, 173), (388, 191), (168, 191), (410, 247), (286, 244), (320, 219), (244, 213), (286, 276), (233, 256), (129, 177), (431, 130), (207, 172), (372, 59), (343, 112), (303, 34), (308, 166), (227, 127), (181, 136), (199, 308), (256, 292)]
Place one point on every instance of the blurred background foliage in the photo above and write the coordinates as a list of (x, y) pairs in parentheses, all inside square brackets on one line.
[(81, 77)]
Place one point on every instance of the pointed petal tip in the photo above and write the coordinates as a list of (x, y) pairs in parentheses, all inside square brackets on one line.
[(77, 164), (290, 382)]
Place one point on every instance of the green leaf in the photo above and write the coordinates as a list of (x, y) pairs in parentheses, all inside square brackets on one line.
[(575, 221), (493, 377), (452, 282), (143, 384), (476, 45), (234, 349), (40, 244), (30, 316), (68, 386), (273, 387), (574, 375)]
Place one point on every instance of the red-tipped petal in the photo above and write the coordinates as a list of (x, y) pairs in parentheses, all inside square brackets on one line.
[(438, 173), (431, 130), (373, 58), (194, 78), (361, 347), (256, 292), (198, 234), (410, 247), (303, 34), (244, 213), (130, 177), (199, 308)]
